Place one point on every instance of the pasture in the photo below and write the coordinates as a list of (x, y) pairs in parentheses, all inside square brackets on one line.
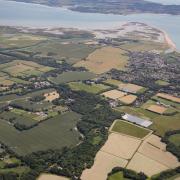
[(104, 59), (71, 76), (161, 123), (54, 133), (23, 68), (129, 129), (92, 88)]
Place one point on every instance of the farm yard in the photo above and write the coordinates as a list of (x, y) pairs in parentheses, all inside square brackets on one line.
[(71, 77), (54, 133), (104, 59), (161, 123), (51, 96)]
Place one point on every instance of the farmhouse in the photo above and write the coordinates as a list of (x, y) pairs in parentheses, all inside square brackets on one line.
[(137, 120)]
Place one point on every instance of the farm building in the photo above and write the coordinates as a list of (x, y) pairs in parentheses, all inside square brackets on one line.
[(137, 120)]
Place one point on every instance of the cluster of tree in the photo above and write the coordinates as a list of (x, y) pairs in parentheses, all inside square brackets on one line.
[(37, 98), (127, 173), (171, 147)]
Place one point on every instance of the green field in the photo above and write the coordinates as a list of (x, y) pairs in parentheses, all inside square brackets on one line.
[(54, 133), (161, 123), (13, 97), (16, 118), (117, 176), (162, 83), (93, 88), (31, 106), (129, 129), (71, 52), (18, 40), (175, 139), (22, 68), (71, 76)]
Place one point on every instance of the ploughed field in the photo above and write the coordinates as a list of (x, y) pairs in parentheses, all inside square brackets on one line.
[(54, 133)]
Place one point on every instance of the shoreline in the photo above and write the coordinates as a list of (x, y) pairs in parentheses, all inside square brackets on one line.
[(169, 41)]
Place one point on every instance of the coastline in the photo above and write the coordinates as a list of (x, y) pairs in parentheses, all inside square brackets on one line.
[(169, 41)]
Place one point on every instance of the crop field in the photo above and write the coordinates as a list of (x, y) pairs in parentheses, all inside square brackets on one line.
[(130, 129), (23, 68), (71, 76), (51, 96), (121, 145), (141, 163), (100, 169), (114, 94), (131, 88), (159, 155), (157, 109), (129, 99), (104, 59), (92, 88), (54, 133), (161, 123), (168, 97), (71, 52)]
